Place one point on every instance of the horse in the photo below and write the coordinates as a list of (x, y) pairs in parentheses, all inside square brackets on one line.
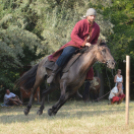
[(69, 82)]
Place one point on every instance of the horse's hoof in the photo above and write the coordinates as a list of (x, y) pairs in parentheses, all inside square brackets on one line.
[(39, 112), (26, 111), (54, 113), (50, 112)]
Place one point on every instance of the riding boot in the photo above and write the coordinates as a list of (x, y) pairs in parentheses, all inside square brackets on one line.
[(54, 72)]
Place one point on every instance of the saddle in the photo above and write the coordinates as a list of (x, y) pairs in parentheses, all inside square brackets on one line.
[(50, 64)]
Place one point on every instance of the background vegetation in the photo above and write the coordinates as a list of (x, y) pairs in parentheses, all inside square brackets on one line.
[(32, 29)]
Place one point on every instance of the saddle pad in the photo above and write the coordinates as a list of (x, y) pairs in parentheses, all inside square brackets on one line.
[(50, 64)]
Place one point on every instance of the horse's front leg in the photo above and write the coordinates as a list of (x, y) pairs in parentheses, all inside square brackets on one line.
[(62, 97), (57, 106), (60, 103)]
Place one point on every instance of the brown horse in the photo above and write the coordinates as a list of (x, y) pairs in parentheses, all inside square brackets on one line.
[(70, 81)]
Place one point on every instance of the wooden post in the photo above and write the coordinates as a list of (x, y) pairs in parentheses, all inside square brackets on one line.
[(127, 88)]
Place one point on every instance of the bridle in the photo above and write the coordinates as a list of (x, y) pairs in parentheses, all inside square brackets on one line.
[(106, 62)]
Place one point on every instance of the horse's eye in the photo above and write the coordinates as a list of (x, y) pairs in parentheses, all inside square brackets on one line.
[(104, 51)]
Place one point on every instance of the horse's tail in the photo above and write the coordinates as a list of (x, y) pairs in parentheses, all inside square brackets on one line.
[(27, 80)]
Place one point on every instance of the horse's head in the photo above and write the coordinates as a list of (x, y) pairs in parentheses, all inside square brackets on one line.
[(104, 55)]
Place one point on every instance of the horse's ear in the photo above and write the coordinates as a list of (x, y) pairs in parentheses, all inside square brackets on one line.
[(103, 41), (99, 42)]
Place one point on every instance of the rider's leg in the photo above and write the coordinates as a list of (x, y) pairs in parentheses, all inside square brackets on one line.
[(64, 57)]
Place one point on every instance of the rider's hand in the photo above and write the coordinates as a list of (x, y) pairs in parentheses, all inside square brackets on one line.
[(88, 44)]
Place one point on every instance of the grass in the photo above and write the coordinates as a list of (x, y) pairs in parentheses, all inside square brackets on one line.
[(74, 117)]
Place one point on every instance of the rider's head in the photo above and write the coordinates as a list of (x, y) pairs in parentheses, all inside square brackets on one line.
[(91, 14)]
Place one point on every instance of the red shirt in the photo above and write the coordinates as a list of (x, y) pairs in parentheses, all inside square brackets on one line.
[(81, 32), (78, 37)]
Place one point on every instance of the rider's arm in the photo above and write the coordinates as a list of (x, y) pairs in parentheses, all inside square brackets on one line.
[(96, 34), (75, 34), (96, 37)]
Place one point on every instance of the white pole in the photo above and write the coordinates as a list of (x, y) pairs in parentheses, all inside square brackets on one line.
[(127, 88)]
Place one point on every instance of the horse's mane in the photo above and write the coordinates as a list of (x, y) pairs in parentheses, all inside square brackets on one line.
[(87, 49)]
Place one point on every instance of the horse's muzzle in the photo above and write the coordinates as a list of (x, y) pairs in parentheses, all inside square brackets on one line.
[(110, 64)]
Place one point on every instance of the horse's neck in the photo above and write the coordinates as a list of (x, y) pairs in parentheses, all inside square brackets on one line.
[(87, 60)]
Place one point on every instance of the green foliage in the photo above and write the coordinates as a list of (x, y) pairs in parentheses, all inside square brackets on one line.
[(121, 14), (29, 30)]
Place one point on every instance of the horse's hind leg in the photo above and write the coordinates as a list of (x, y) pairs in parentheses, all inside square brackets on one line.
[(48, 90), (26, 111), (39, 79)]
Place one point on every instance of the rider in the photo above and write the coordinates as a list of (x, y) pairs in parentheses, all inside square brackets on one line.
[(85, 33)]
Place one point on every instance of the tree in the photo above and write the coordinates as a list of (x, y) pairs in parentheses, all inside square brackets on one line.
[(32, 29)]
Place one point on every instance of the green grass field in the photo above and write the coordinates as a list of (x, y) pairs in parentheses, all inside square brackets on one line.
[(75, 117)]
